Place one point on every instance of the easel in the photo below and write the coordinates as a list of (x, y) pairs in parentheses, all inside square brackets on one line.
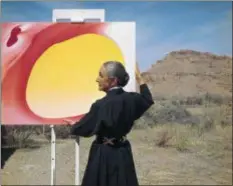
[(53, 158), (77, 16)]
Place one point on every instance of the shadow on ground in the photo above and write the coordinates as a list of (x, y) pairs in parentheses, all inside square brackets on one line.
[(6, 154)]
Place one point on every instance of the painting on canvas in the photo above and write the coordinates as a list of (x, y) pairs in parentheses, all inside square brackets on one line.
[(49, 70)]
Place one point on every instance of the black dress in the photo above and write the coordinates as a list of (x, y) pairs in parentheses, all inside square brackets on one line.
[(110, 161)]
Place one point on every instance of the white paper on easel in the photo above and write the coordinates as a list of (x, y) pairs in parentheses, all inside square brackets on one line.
[(79, 15)]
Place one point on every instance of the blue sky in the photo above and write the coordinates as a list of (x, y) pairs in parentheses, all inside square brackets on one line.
[(162, 27)]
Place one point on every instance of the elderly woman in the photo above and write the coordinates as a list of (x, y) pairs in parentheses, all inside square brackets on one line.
[(111, 118)]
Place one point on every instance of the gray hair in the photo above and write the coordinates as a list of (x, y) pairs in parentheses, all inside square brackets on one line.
[(116, 69)]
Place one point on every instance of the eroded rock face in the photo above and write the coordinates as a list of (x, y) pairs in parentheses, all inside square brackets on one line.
[(190, 73)]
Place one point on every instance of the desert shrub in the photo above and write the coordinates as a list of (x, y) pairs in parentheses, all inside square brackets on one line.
[(195, 100), (226, 121), (18, 136), (213, 117), (173, 135), (190, 100), (166, 112), (206, 124), (159, 97), (171, 113), (182, 144), (163, 138), (216, 99), (199, 100)]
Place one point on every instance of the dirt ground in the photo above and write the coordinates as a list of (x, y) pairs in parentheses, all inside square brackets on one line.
[(206, 159)]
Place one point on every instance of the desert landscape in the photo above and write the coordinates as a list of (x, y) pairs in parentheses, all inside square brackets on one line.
[(185, 138)]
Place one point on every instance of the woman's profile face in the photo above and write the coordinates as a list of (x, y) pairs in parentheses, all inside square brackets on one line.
[(104, 82)]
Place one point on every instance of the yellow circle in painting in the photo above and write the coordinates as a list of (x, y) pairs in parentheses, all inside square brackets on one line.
[(63, 80)]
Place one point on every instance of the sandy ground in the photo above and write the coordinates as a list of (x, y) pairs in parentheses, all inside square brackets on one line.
[(155, 165)]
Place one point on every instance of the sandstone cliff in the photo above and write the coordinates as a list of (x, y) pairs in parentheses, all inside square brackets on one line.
[(190, 73)]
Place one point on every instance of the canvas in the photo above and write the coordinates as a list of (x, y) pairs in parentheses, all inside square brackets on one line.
[(49, 70)]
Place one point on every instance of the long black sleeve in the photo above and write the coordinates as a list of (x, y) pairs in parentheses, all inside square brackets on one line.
[(143, 100), (88, 125), (146, 94)]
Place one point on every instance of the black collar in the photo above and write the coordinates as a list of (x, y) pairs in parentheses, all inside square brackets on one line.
[(115, 91)]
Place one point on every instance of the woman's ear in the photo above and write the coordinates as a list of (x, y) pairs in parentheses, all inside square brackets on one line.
[(126, 78), (116, 82)]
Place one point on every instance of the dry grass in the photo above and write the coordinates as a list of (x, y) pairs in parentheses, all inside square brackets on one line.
[(165, 154), (184, 137), (185, 156)]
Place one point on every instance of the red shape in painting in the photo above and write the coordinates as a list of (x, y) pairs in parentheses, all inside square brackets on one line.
[(22, 45), (14, 36)]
